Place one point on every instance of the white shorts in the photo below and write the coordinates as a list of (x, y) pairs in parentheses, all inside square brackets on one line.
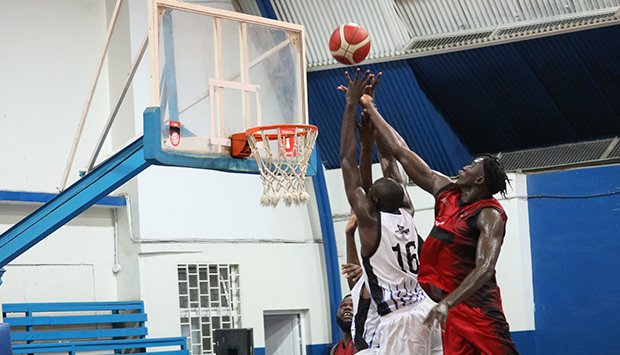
[(404, 332), (374, 351)]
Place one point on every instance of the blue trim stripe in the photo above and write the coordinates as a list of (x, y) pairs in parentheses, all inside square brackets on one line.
[(43, 197), (524, 341), (312, 349), (329, 247)]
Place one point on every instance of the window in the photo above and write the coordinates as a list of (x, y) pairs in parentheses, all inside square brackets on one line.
[(209, 299)]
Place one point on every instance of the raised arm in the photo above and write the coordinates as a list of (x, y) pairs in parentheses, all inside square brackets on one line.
[(366, 142), (352, 270), (492, 227), (416, 168), (367, 220), (348, 148)]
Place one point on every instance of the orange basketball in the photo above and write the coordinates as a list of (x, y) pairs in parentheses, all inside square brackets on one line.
[(349, 44)]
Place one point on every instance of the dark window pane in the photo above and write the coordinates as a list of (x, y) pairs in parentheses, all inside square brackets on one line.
[(224, 301), (224, 274), (182, 273), (193, 280), (193, 295), (182, 288)]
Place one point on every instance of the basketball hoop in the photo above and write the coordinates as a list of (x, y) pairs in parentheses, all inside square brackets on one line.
[(282, 153)]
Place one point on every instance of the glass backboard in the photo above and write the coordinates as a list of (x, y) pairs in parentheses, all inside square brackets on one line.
[(215, 73)]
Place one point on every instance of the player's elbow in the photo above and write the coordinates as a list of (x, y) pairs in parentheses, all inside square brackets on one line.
[(486, 272)]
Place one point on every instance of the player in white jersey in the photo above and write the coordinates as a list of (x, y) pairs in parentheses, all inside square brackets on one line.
[(364, 328), (388, 244), (365, 317)]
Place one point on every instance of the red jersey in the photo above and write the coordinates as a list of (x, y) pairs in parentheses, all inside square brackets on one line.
[(343, 348), (449, 253)]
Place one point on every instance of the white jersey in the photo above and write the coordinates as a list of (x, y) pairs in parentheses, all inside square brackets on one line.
[(392, 270), (365, 318)]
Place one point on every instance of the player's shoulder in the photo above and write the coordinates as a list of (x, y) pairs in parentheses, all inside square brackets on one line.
[(449, 188)]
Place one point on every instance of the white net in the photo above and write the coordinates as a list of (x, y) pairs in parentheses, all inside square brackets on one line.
[(282, 154)]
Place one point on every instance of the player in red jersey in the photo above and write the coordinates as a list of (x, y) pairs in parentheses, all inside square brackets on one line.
[(344, 316), (457, 266)]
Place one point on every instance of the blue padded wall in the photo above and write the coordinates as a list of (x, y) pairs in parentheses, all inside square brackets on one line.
[(575, 240)]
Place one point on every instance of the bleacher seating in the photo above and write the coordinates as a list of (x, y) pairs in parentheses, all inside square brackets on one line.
[(75, 327)]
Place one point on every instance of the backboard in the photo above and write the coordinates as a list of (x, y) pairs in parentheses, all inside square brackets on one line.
[(215, 73)]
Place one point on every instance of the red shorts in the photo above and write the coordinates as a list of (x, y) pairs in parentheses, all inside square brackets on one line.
[(470, 330)]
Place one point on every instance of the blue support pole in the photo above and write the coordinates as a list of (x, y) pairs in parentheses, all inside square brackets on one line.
[(329, 246), (91, 188)]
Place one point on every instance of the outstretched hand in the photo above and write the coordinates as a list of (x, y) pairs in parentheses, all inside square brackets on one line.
[(356, 87), (439, 313), (352, 272), (370, 89)]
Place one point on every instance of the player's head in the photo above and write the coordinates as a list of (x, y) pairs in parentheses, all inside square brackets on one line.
[(386, 194), (344, 316), (485, 171)]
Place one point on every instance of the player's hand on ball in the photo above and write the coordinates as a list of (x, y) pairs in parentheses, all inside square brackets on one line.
[(439, 313)]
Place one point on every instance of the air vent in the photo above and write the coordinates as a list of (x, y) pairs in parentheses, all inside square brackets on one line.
[(442, 42), (553, 25), (615, 153), (560, 155)]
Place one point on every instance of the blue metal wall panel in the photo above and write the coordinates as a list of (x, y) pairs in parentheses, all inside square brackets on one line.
[(266, 9), (402, 103), (525, 341), (574, 223), (528, 94)]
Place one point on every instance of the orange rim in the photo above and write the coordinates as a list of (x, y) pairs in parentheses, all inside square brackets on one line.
[(292, 127)]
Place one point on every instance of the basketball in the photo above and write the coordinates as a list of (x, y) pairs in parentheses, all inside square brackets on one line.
[(349, 44)]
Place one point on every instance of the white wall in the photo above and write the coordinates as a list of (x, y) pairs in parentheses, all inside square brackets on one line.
[(273, 276), (73, 264), (49, 53), (514, 268)]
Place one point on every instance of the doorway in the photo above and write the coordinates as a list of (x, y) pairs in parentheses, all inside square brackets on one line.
[(283, 334)]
